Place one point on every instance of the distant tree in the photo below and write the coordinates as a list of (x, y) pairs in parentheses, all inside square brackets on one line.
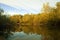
[(1, 11), (17, 19)]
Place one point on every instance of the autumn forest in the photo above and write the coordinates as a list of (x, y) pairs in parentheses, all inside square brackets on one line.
[(46, 23)]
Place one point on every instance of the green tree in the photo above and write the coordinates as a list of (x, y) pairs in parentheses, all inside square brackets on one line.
[(6, 25)]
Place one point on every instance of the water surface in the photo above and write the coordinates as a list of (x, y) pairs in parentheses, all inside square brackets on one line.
[(24, 36)]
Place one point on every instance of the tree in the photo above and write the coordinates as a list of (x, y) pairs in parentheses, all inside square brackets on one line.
[(1, 11), (52, 24), (6, 24), (17, 19)]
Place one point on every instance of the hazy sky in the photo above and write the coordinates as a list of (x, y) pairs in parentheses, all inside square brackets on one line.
[(33, 5)]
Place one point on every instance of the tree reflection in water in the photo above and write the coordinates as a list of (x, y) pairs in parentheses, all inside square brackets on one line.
[(23, 36)]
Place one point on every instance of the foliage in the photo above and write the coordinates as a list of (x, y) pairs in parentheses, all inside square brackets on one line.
[(46, 23), (6, 25)]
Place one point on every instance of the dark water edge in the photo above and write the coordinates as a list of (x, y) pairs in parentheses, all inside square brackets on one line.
[(24, 36)]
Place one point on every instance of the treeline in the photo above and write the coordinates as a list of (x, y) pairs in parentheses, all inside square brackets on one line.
[(46, 23)]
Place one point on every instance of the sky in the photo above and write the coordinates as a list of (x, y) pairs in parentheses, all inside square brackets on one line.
[(24, 36), (31, 6)]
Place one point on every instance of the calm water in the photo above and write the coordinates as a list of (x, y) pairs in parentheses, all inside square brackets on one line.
[(23, 36)]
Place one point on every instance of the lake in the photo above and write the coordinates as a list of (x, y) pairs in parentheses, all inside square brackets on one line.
[(24, 36)]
